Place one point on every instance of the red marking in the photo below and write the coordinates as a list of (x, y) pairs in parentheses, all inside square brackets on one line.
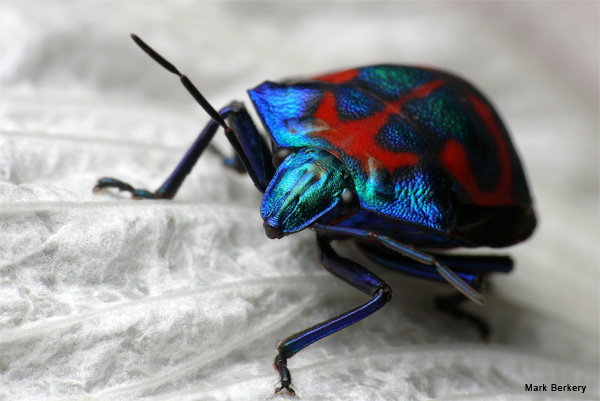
[(338, 77), (454, 158), (357, 137)]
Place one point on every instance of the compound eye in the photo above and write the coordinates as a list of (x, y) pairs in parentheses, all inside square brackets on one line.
[(280, 155), (349, 203)]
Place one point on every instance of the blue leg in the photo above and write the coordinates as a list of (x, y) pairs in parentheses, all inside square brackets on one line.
[(407, 251), (466, 275), (250, 147), (470, 268), (353, 274)]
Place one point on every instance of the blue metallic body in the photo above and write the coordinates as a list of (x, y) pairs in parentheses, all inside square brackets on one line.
[(390, 126)]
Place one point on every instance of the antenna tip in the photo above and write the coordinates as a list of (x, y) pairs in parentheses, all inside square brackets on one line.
[(135, 38)]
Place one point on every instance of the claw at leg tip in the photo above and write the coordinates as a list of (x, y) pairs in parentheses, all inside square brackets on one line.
[(279, 391)]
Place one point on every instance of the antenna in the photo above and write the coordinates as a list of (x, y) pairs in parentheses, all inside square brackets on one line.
[(184, 80)]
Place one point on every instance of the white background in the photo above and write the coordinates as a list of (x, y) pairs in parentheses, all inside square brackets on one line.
[(105, 298)]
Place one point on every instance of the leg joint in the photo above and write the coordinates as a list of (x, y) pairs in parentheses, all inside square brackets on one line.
[(386, 292), (280, 361)]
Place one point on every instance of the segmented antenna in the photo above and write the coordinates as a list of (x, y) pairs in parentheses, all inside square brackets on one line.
[(184, 80)]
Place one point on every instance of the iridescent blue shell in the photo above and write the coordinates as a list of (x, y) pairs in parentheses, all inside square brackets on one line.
[(423, 147)]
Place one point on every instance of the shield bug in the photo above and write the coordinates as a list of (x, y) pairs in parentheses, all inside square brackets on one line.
[(397, 158)]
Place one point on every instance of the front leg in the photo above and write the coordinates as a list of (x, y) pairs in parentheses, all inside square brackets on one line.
[(353, 274), (250, 147), (169, 188), (109, 182)]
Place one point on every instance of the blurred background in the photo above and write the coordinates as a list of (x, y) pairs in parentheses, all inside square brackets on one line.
[(187, 299)]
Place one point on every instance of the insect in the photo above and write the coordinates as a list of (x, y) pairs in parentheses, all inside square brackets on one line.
[(397, 158)]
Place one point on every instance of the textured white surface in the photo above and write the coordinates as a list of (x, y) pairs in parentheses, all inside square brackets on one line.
[(104, 298)]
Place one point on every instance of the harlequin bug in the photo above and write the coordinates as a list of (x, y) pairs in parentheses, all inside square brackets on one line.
[(397, 158)]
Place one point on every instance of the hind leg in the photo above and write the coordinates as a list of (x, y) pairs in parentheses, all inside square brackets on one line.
[(471, 268)]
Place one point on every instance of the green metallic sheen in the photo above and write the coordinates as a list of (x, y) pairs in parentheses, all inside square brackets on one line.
[(307, 184)]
